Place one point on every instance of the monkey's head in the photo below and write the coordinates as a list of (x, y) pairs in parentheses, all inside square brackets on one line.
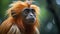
[(29, 15), (21, 11)]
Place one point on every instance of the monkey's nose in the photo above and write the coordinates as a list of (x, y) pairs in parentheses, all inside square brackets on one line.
[(31, 14)]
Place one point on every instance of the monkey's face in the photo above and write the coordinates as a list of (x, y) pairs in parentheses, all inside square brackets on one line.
[(29, 15)]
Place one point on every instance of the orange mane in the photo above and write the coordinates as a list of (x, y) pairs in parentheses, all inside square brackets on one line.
[(19, 6)]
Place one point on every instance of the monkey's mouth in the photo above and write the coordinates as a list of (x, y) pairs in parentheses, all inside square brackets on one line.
[(31, 20)]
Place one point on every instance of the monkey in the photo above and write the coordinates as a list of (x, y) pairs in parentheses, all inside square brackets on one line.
[(22, 19)]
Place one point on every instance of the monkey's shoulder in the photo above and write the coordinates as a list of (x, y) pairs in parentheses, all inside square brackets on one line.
[(14, 30)]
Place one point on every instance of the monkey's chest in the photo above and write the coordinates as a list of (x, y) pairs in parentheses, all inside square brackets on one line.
[(14, 30)]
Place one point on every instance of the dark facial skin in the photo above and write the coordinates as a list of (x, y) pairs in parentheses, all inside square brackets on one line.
[(29, 15)]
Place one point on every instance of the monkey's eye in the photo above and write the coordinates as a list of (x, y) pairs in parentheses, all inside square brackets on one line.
[(26, 11), (33, 11)]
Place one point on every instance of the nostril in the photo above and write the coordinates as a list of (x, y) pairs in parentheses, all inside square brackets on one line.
[(30, 15), (32, 18)]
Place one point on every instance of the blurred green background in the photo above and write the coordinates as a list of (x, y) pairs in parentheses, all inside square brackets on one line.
[(47, 23)]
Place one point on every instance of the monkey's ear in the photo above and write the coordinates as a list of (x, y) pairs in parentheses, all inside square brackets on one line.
[(13, 14)]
